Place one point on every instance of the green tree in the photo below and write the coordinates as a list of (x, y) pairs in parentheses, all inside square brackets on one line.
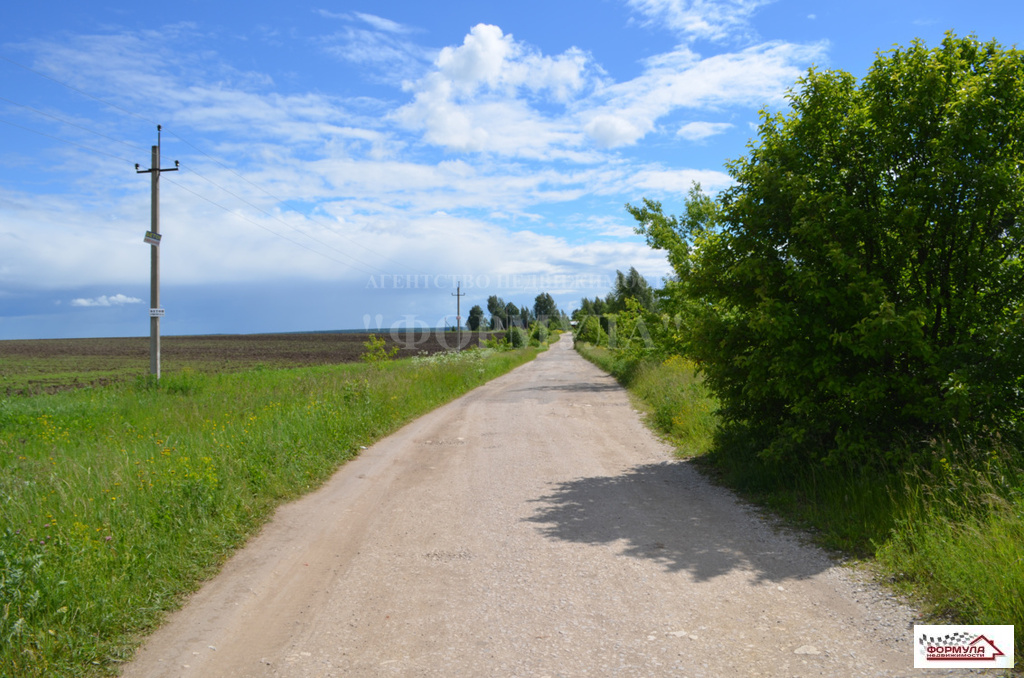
[(525, 317), (860, 286), (544, 307), (512, 315), (476, 318), (630, 285), (496, 307), (590, 331)]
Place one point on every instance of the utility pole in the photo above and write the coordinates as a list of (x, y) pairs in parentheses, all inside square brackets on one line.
[(153, 238), (458, 294)]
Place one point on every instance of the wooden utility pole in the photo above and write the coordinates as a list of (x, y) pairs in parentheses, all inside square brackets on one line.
[(153, 238), (458, 294)]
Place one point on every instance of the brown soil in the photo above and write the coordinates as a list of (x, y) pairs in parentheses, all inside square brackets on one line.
[(47, 365)]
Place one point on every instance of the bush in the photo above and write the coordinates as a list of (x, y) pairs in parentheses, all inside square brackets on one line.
[(590, 331), (517, 337), (377, 352), (539, 333), (859, 288)]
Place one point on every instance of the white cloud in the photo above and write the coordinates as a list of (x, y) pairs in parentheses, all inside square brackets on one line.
[(493, 94), (350, 192), (701, 19), (610, 130), (698, 131), (382, 24), (115, 300), (661, 181), (681, 79)]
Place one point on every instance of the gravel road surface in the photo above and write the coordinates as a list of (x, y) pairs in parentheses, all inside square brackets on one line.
[(533, 528)]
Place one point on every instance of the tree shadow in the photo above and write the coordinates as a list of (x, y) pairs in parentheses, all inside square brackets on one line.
[(574, 387), (668, 513)]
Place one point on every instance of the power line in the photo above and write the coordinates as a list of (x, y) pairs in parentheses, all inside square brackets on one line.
[(64, 141), (277, 218), (286, 202), (268, 230), (198, 150), (355, 263), (75, 89), (72, 124)]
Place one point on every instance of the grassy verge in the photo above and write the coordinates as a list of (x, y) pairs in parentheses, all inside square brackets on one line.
[(674, 401), (952, 537), (115, 501)]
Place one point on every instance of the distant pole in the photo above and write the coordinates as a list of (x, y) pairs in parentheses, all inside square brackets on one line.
[(458, 313), (153, 238)]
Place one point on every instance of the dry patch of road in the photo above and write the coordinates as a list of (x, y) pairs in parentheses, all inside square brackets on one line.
[(532, 528)]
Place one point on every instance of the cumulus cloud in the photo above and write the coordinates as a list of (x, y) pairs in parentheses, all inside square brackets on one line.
[(492, 93), (349, 191), (115, 300)]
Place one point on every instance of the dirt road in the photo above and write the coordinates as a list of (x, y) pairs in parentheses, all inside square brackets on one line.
[(532, 528)]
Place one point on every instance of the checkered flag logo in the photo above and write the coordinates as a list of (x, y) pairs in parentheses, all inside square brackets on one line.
[(962, 645), (958, 638), (955, 639)]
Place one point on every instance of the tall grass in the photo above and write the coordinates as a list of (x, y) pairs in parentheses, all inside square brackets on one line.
[(952, 536), (959, 542), (673, 398), (115, 501)]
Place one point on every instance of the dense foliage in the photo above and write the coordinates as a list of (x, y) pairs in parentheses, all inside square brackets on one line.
[(859, 288)]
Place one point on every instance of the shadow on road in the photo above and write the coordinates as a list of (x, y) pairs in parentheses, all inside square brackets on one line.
[(669, 514), (573, 387)]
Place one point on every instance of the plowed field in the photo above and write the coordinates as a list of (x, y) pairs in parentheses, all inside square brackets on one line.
[(43, 365)]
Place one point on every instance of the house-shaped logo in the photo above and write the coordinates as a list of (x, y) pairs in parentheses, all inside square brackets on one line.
[(963, 646), (954, 648)]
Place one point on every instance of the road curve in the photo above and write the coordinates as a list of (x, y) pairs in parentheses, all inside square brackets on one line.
[(532, 528)]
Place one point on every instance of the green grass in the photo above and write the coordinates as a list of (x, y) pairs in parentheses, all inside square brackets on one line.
[(952, 538), (116, 501), (674, 400)]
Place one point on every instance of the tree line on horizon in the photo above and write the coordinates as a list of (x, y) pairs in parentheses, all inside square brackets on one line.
[(506, 315)]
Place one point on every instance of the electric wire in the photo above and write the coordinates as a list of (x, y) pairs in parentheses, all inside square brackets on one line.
[(64, 141), (198, 150), (259, 225), (355, 263)]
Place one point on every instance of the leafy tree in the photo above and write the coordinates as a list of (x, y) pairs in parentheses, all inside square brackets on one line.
[(590, 331), (512, 315), (860, 286), (544, 306), (496, 307), (476, 318), (525, 317), (630, 285)]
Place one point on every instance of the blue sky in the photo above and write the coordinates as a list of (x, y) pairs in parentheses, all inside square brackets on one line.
[(347, 164)]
